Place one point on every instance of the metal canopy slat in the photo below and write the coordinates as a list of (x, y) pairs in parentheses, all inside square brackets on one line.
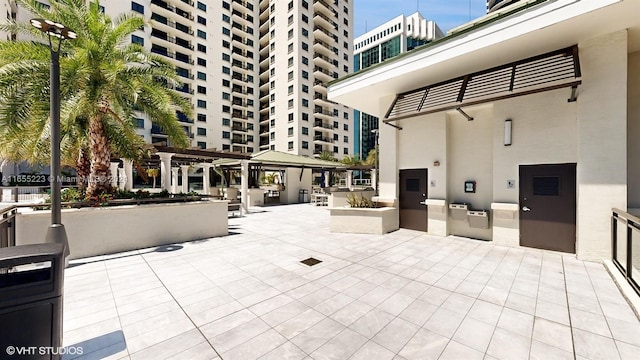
[(550, 71)]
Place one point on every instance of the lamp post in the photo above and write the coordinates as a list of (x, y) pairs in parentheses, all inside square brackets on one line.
[(56, 232), (377, 160)]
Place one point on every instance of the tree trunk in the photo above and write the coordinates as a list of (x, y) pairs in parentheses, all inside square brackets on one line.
[(99, 180), (83, 168)]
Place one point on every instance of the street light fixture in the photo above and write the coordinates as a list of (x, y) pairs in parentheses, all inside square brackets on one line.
[(377, 160), (56, 232)]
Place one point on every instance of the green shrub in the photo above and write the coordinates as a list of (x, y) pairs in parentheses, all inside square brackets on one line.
[(362, 202)]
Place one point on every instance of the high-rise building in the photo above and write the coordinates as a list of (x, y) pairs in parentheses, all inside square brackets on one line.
[(255, 71), (303, 46), (401, 34)]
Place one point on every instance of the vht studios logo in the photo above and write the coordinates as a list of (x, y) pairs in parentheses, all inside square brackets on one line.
[(43, 350)]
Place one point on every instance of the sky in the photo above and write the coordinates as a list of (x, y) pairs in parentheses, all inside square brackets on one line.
[(448, 14)]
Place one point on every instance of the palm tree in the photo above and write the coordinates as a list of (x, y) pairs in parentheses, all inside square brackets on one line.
[(105, 80), (351, 160), (371, 157), (327, 156)]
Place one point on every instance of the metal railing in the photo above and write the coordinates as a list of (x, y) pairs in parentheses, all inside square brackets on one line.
[(625, 246), (24, 193), (8, 226)]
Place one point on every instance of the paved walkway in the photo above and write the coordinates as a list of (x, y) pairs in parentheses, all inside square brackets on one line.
[(404, 295)]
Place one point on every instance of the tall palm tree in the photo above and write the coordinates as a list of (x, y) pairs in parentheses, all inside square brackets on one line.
[(105, 80), (351, 160), (327, 156)]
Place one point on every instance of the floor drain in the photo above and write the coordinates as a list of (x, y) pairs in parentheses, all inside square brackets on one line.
[(311, 261)]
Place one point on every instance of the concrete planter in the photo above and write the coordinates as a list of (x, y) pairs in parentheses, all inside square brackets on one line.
[(339, 198), (364, 220), (107, 230)]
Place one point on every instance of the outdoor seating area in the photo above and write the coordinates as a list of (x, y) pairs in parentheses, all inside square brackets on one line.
[(403, 295), (319, 197)]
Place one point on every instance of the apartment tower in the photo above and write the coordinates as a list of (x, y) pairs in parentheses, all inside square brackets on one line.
[(396, 36), (255, 71)]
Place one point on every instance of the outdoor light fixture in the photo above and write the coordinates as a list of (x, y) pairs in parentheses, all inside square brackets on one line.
[(469, 117), (507, 132), (56, 232)]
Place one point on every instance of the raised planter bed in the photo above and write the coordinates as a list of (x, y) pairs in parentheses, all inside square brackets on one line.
[(106, 230), (363, 220)]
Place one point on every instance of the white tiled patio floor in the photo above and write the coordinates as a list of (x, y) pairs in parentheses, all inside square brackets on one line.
[(404, 295)]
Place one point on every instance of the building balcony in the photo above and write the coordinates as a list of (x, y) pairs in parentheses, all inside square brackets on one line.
[(241, 5), (322, 60), (323, 20), (320, 125), (323, 74), (319, 98), (239, 128), (173, 42), (321, 33), (324, 8), (164, 8), (323, 139), (320, 46)]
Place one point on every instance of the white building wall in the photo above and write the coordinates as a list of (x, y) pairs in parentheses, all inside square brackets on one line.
[(546, 129), (602, 129), (633, 132)]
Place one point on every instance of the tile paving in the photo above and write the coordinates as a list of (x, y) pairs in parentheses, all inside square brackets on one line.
[(403, 295)]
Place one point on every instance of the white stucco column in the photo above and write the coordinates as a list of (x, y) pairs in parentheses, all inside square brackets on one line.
[(388, 163), (174, 180), (128, 174), (602, 142), (350, 179), (327, 178), (121, 179), (244, 185), (165, 169), (205, 179), (114, 174), (185, 178)]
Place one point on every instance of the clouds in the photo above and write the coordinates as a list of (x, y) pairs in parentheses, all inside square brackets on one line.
[(446, 13)]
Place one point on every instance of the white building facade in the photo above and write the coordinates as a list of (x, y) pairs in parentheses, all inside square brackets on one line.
[(394, 37), (484, 139)]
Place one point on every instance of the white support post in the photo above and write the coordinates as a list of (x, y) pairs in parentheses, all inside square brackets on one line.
[(165, 169), (121, 179), (114, 174), (174, 180), (374, 180), (185, 178), (350, 179), (244, 185), (128, 174), (206, 179)]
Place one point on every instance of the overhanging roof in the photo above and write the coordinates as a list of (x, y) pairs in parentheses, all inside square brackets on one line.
[(545, 72), (535, 29), (282, 159)]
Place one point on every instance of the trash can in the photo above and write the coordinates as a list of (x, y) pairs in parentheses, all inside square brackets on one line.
[(31, 287), (303, 196)]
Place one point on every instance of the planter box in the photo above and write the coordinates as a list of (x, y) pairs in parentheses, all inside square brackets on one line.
[(364, 220), (107, 230), (339, 198)]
